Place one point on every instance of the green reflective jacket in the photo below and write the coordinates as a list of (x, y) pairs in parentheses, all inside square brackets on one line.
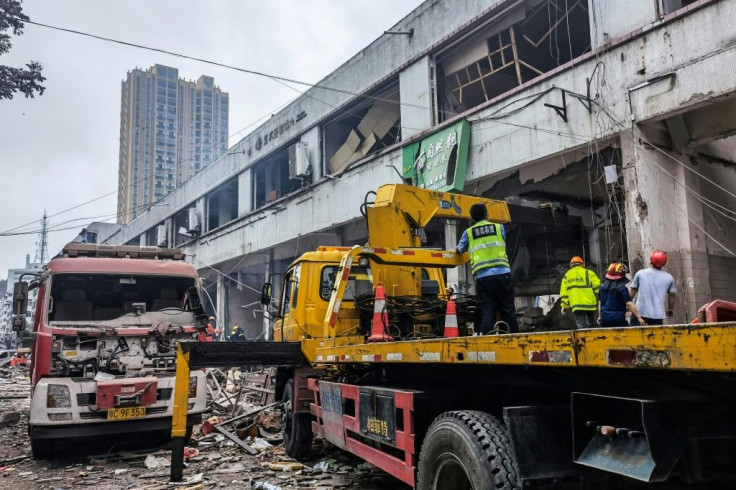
[(579, 289)]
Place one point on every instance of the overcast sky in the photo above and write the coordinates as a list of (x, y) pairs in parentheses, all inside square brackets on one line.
[(61, 149)]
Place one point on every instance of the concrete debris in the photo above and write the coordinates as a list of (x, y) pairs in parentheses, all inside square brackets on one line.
[(533, 319), (235, 468), (11, 418), (270, 421), (151, 462), (263, 485), (260, 444)]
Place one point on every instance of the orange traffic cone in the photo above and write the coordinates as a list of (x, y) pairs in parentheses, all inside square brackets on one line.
[(380, 317), (451, 330)]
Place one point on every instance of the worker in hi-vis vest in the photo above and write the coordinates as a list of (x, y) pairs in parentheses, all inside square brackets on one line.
[(486, 243), (579, 293)]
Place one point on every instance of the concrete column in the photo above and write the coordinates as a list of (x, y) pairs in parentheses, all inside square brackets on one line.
[(245, 193), (661, 214), (312, 139), (693, 244), (457, 277), (596, 243), (222, 305), (201, 205), (170, 232), (415, 92)]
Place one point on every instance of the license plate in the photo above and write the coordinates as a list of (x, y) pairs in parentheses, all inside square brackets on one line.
[(126, 413)]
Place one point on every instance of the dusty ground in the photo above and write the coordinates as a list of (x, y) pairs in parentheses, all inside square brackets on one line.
[(221, 465)]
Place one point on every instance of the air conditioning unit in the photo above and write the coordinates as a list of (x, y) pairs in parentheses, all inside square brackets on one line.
[(161, 238), (193, 220), (299, 167)]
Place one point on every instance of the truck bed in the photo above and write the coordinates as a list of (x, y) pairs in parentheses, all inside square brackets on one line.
[(701, 347)]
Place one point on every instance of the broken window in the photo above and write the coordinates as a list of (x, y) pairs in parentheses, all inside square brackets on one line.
[(222, 205), (529, 40), (563, 209), (274, 178), (104, 297), (155, 236), (363, 128), (186, 225)]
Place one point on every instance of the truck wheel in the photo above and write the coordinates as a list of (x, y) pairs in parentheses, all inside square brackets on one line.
[(297, 426), (467, 450), (42, 448)]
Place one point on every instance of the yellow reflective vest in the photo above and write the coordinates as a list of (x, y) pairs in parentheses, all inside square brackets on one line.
[(579, 289), (486, 246)]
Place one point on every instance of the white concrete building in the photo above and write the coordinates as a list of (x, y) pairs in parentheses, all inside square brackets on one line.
[(606, 126)]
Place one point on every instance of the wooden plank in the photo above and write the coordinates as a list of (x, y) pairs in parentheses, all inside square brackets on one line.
[(248, 449)]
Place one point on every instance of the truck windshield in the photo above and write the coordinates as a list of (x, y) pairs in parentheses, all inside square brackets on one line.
[(360, 281), (101, 297)]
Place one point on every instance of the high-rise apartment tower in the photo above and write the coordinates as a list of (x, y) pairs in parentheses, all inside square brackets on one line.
[(170, 129)]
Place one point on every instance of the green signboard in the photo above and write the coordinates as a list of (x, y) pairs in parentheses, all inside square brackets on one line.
[(438, 162)]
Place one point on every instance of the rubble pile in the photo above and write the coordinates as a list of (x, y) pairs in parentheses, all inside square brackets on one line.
[(533, 319), (239, 445)]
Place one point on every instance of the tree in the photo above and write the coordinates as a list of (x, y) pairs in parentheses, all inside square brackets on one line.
[(27, 81)]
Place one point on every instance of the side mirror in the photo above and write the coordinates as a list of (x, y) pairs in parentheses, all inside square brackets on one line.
[(194, 299), (266, 294), (20, 298)]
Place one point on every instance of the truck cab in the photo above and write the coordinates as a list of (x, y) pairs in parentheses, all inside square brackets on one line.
[(107, 323), (309, 282)]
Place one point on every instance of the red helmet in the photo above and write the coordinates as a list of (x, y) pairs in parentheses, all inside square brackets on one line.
[(615, 271), (658, 258)]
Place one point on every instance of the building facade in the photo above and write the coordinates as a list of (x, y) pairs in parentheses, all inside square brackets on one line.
[(606, 126), (170, 129)]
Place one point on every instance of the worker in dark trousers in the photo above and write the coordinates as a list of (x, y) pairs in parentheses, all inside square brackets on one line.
[(579, 293), (615, 299), (486, 243)]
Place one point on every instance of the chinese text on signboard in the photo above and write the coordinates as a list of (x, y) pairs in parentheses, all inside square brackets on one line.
[(438, 161)]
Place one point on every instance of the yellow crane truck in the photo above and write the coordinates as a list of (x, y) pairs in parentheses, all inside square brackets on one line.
[(628, 406)]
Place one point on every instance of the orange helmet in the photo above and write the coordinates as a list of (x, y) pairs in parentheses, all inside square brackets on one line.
[(577, 261), (658, 258), (615, 271)]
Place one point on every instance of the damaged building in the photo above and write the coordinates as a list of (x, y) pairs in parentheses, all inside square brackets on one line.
[(607, 127)]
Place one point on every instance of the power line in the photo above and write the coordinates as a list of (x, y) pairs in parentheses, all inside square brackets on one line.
[(224, 65)]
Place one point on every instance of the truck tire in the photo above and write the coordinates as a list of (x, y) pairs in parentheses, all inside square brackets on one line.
[(467, 450), (42, 448), (297, 426)]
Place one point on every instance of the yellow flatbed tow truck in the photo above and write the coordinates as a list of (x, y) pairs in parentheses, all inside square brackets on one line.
[(558, 409)]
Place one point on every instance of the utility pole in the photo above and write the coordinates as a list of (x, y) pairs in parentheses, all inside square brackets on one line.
[(42, 249)]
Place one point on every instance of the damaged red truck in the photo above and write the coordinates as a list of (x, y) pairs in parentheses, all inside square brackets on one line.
[(105, 331)]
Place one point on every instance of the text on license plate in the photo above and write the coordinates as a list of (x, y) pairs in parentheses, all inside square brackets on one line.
[(125, 413)]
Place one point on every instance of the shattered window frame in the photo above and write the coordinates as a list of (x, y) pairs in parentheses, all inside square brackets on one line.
[(524, 43), (273, 168), (367, 125), (228, 189)]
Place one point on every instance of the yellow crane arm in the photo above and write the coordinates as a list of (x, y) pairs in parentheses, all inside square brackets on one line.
[(399, 209)]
